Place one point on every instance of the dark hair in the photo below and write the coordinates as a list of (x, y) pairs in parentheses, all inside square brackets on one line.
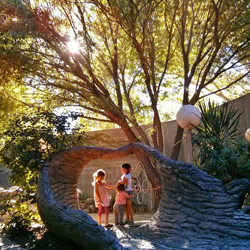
[(120, 187), (127, 166)]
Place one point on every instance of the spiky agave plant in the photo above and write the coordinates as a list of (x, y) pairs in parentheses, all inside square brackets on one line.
[(216, 138)]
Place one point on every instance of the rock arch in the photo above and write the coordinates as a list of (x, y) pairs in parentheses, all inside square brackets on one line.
[(195, 207)]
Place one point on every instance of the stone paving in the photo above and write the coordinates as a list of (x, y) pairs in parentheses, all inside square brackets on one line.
[(175, 242), (139, 241)]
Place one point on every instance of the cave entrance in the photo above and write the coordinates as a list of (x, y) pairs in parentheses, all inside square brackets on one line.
[(144, 199)]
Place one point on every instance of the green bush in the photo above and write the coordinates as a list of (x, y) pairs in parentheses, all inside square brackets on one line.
[(221, 151), (26, 144), (21, 220)]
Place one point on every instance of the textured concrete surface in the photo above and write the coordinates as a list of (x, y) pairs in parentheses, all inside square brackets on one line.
[(196, 210), (138, 242), (175, 242)]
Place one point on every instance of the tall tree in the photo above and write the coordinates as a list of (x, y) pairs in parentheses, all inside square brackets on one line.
[(214, 44), (130, 55)]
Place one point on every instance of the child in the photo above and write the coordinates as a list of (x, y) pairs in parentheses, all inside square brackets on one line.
[(120, 202), (126, 180), (101, 196)]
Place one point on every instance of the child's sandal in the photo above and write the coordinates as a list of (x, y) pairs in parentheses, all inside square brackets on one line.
[(109, 225)]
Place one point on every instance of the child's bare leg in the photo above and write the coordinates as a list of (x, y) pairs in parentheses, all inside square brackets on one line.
[(127, 213), (130, 210), (99, 220), (106, 219), (99, 214)]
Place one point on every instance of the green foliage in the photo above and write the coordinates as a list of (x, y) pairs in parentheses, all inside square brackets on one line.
[(240, 160), (221, 151), (84, 196), (131, 55), (21, 217), (26, 144), (29, 141)]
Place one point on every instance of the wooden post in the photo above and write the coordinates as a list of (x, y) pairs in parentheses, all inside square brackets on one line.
[(190, 147)]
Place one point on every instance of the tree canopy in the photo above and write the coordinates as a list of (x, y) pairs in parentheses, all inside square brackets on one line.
[(128, 58)]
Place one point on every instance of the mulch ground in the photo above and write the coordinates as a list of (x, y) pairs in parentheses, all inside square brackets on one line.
[(52, 242), (43, 240)]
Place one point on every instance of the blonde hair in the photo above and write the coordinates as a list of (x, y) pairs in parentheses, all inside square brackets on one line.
[(97, 174)]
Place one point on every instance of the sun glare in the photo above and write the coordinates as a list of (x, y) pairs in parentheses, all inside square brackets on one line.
[(73, 46)]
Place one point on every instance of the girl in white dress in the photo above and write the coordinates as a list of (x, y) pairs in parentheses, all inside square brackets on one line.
[(101, 196)]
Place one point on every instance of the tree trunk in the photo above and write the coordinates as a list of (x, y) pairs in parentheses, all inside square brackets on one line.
[(177, 144), (152, 171)]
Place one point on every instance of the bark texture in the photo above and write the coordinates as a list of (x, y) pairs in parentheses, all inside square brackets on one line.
[(193, 205)]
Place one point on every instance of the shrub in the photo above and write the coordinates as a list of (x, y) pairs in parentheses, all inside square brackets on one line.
[(27, 143), (221, 151)]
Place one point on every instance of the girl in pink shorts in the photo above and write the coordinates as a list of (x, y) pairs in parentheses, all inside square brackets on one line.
[(101, 196)]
